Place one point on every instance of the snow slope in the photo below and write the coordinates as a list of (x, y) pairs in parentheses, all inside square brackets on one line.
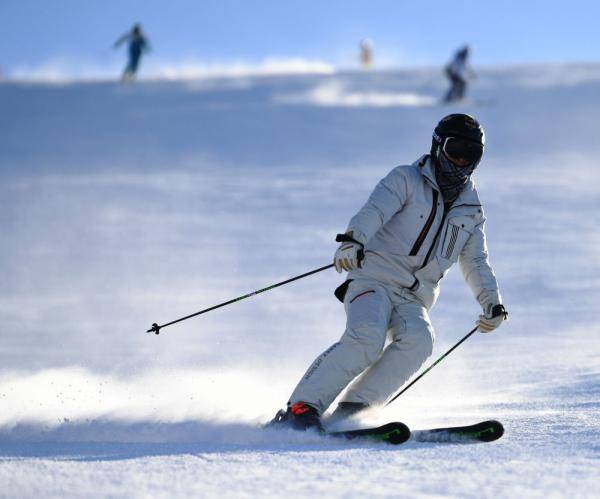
[(125, 205)]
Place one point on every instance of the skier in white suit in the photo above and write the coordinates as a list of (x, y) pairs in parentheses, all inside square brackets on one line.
[(419, 221)]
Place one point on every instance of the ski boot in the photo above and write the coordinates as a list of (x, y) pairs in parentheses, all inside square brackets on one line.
[(299, 416), (346, 410)]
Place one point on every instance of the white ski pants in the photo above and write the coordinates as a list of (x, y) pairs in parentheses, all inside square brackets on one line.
[(371, 318)]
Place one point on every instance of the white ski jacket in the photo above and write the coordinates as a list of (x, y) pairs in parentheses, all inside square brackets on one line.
[(411, 241)]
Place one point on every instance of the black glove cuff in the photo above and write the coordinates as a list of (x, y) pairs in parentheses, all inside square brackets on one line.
[(498, 310), (345, 238)]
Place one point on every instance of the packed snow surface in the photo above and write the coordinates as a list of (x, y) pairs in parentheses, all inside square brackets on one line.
[(121, 206)]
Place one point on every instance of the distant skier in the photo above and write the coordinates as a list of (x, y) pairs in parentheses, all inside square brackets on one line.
[(458, 72), (419, 221), (366, 53), (138, 44)]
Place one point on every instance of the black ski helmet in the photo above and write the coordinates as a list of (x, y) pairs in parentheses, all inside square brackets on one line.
[(459, 125)]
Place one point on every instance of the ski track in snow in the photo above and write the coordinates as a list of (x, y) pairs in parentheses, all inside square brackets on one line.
[(121, 206)]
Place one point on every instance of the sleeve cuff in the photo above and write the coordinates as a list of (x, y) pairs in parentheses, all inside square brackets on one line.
[(358, 235), (489, 297)]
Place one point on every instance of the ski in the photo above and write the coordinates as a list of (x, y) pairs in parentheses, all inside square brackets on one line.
[(394, 433), (486, 431)]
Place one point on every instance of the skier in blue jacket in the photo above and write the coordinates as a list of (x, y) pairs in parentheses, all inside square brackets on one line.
[(138, 44)]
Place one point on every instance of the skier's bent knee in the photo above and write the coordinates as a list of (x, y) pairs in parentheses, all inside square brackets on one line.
[(365, 343)]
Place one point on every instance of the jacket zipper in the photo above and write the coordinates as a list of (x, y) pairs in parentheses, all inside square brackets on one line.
[(437, 235), (425, 230), (435, 238)]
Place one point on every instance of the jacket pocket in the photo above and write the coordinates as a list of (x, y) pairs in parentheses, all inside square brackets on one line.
[(426, 288), (458, 231)]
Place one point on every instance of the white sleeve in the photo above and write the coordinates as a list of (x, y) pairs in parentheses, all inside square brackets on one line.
[(476, 268), (387, 198)]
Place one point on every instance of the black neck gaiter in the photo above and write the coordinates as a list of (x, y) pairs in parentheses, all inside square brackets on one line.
[(451, 179)]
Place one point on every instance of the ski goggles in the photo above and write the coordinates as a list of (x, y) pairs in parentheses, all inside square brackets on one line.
[(462, 152)]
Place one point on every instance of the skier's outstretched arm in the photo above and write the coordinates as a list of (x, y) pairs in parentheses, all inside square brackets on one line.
[(122, 39)]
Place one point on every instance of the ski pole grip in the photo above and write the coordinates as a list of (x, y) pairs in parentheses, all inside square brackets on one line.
[(345, 238)]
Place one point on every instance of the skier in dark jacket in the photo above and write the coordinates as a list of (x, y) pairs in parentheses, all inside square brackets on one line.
[(138, 44), (458, 72)]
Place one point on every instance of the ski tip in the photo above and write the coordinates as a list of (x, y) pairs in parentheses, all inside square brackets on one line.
[(485, 431), (495, 430), (394, 433), (400, 435)]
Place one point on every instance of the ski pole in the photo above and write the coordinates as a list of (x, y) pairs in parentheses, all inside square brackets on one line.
[(156, 328), (340, 238), (432, 366)]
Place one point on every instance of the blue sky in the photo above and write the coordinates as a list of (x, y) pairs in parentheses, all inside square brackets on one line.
[(219, 31)]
